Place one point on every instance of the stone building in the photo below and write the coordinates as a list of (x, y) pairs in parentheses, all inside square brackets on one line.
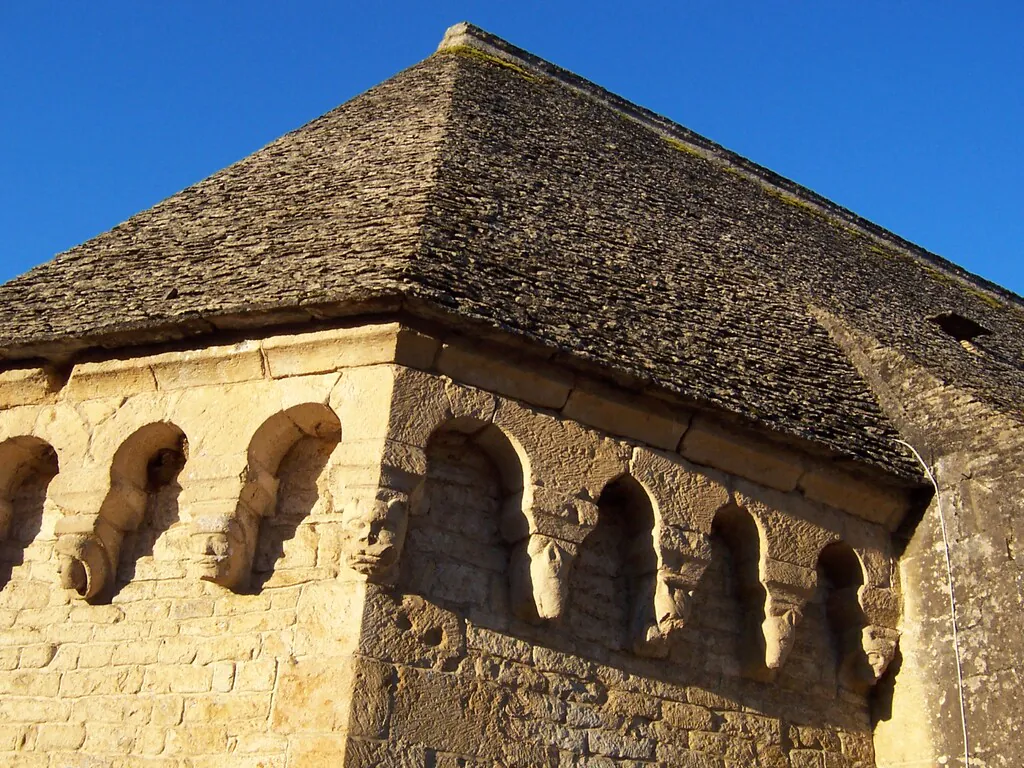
[(491, 420)]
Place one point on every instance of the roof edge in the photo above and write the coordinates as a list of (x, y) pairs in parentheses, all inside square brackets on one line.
[(466, 35)]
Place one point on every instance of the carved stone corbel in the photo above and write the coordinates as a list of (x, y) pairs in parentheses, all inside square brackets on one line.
[(662, 606), (100, 508), (87, 551), (867, 651), (539, 576), (88, 546), (787, 587), (783, 612), (866, 655), (226, 514), (665, 598), (224, 547), (377, 522)]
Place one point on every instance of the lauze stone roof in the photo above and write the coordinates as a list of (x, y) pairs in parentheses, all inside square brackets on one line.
[(488, 189)]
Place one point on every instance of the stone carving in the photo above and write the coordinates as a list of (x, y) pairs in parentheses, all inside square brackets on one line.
[(224, 548), (779, 630), (538, 578), (85, 561), (672, 602), (227, 510), (866, 655), (879, 645), (662, 603), (96, 519), (377, 527), (787, 588)]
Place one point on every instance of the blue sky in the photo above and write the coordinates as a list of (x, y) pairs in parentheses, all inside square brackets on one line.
[(909, 113)]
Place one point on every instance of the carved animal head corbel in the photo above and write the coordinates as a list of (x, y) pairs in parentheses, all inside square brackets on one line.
[(662, 603), (779, 630), (538, 578), (224, 547), (377, 525), (868, 652)]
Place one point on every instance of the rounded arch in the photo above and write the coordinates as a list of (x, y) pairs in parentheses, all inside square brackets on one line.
[(743, 538), (612, 583), (146, 460), (627, 497), (842, 576), (150, 456), (842, 566), (90, 549), (278, 434), (509, 459), (20, 457), (467, 513)]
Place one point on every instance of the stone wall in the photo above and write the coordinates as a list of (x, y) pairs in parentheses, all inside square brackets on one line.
[(322, 549), (973, 452), (589, 664)]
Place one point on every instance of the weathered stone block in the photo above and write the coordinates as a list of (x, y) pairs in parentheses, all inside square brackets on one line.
[(870, 501), (204, 367), (688, 716), (26, 386), (530, 382), (634, 417), (313, 696), (332, 350), (110, 378), (717, 446)]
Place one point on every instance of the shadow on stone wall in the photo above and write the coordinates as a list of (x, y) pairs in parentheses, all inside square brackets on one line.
[(519, 693), (140, 547), (281, 555), (26, 521)]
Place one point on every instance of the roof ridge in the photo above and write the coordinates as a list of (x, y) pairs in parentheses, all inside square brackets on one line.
[(466, 35)]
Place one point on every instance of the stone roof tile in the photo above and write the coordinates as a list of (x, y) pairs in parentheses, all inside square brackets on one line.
[(488, 186)]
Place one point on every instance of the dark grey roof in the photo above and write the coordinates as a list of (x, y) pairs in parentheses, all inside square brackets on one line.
[(486, 185)]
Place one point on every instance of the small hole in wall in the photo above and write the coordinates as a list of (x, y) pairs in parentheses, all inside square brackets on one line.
[(961, 328), (403, 623), (433, 636)]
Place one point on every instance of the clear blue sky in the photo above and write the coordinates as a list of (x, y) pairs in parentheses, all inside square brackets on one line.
[(909, 113)]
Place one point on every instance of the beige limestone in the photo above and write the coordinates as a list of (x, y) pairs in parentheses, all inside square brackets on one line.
[(871, 502), (25, 386), (538, 385), (648, 422), (714, 445), (367, 560)]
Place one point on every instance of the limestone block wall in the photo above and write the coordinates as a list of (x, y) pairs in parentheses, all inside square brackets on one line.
[(364, 547), (171, 541), (566, 598), (974, 454)]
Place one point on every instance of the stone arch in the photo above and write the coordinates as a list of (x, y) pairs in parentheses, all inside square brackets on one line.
[(27, 465), (89, 545), (468, 518), (227, 527), (862, 650), (613, 583), (739, 535), (20, 458)]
